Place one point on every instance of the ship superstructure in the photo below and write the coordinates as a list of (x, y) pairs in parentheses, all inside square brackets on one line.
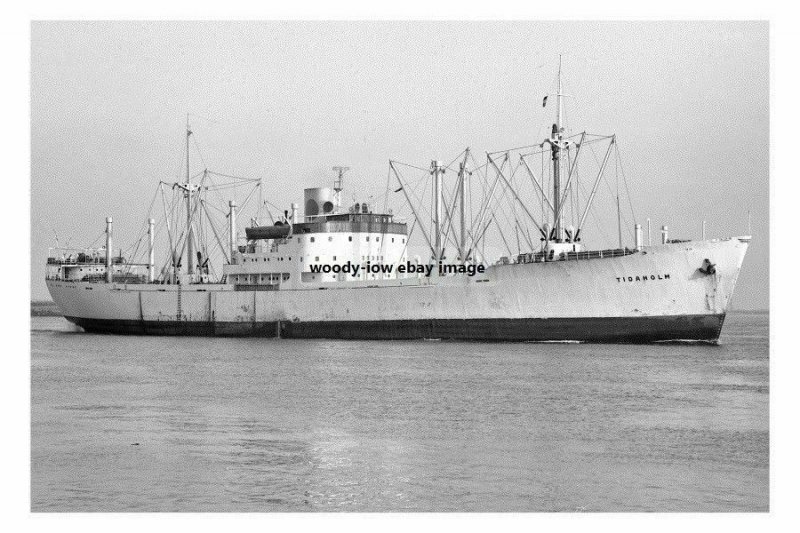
[(285, 253), (345, 270)]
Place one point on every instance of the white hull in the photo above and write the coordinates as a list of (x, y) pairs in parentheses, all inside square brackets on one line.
[(559, 300)]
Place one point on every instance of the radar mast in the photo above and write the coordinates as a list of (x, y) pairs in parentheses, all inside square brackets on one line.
[(337, 185)]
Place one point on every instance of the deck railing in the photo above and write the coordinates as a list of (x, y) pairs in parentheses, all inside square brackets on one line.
[(543, 257)]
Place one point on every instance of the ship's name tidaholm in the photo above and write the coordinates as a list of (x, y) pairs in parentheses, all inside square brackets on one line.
[(647, 277)]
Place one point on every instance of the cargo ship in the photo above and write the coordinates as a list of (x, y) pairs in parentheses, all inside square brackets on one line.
[(343, 270)]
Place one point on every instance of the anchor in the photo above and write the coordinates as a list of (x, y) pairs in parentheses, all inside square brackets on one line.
[(708, 268)]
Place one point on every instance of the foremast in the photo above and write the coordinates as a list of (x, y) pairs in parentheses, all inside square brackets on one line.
[(558, 144), (558, 147), (557, 238), (502, 201)]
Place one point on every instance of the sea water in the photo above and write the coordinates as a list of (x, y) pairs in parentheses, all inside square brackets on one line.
[(128, 423)]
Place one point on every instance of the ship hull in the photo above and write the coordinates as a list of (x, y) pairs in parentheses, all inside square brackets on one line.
[(602, 329), (661, 293)]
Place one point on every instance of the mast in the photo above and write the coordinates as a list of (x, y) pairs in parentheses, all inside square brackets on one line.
[(462, 201), (109, 240), (557, 146), (556, 151), (232, 230), (560, 117), (338, 185), (462, 204), (619, 223), (189, 233), (437, 171), (151, 256)]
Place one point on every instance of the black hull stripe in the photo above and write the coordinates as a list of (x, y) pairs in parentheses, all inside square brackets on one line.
[(605, 329)]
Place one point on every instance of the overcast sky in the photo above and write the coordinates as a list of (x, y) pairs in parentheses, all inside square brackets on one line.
[(689, 103)]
